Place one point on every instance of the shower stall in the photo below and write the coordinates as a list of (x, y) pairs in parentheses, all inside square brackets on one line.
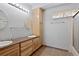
[(76, 32)]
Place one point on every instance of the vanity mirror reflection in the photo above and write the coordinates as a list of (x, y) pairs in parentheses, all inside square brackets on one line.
[(3, 20)]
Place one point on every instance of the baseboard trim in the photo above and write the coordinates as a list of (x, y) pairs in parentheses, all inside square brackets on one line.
[(74, 52), (56, 48)]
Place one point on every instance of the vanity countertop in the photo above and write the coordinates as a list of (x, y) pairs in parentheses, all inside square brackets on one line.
[(19, 40)]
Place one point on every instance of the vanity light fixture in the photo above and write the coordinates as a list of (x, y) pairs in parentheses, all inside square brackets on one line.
[(19, 7)]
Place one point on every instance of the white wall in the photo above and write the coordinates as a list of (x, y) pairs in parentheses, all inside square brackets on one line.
[(15, 18), (57, 35)]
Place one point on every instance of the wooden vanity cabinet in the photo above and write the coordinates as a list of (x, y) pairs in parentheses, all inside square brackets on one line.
[(26, 48), (12, 50), (36, 44)]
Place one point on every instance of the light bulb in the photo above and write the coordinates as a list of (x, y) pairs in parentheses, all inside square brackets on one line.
[(21, 7), (17, 5), (26, 10)]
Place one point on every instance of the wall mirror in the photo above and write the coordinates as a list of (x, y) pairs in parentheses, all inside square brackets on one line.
[(3, 20), (28, 25)]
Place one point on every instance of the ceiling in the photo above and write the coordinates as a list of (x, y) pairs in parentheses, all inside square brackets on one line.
[(52, 5), (42, 5)]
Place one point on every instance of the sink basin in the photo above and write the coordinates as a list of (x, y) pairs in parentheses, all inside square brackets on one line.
[(4, 43), (32, 36)]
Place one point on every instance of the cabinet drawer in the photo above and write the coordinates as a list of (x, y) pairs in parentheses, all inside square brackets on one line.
[(26, 52), (10, 51), (25, 47), (26, 43)]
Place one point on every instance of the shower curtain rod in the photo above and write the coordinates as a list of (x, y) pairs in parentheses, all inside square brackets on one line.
[(75, 14)]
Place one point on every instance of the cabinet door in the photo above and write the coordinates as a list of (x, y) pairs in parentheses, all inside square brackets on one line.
[(36, 21), (37, 24), (10, 51), (36, 44), (26, 48), (39, 42)]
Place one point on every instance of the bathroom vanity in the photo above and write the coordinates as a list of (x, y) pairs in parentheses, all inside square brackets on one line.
[(23, 46)]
